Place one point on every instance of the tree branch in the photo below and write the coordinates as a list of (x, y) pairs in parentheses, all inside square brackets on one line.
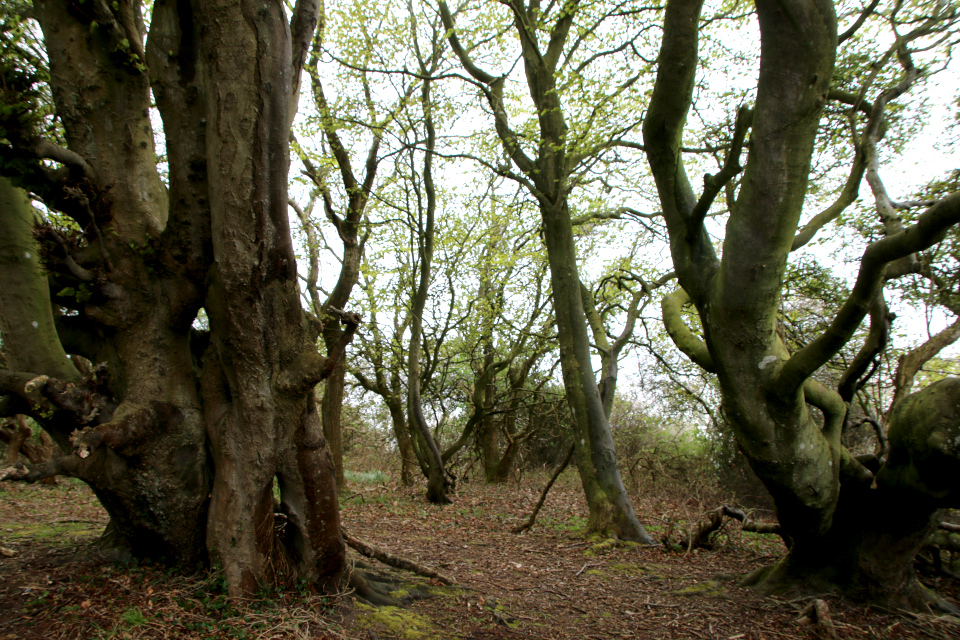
[(848, 195), (389, 559), (63, 466), (663, 133), (304, 22), (928, 230), (694, 348), (713, 184), (910, 363), (854, 377), (543, 494), (311, 367), (48, 150), (493, 91)]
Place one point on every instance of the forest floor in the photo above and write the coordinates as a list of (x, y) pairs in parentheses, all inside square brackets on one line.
[(550, 583)]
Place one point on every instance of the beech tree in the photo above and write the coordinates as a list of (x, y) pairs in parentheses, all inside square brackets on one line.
[(181, 434), (559, 47), (853, 525), (348, 130)]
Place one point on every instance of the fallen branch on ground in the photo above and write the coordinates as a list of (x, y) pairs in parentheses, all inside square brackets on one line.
[(387, 558), (714, 519)]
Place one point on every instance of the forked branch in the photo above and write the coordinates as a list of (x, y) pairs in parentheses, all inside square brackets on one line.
[(929, 229)]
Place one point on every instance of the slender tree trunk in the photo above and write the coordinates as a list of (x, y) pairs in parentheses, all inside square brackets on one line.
[(489, 428), (331, 408), (437, 482), (405, 447), (610, 508), (489, 435)]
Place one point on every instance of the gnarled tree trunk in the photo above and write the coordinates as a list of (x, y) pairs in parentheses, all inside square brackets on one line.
[(182, 436), (852, 525)]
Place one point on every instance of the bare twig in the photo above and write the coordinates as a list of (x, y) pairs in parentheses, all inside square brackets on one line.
[(543, 494)]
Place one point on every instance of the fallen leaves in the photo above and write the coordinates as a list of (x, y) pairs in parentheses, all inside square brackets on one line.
[(546, 584)]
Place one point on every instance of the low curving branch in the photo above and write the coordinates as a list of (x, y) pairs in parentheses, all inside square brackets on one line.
[(63, 466), (692, 346), (48, 150), (310, 368)]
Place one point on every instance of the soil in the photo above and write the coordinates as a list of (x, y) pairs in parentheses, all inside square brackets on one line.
[(550, 583)]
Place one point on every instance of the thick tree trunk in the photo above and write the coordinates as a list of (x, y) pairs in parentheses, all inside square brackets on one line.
[(226, 79), (868, 554), (261, 366), (149, 449)]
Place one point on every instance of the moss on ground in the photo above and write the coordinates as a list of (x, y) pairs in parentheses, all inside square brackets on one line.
[(607, 544), (708, 589), (401, 623), (52, 533)]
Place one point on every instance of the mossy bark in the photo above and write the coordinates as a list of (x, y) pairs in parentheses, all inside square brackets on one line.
[(853, 526), (182, 435)]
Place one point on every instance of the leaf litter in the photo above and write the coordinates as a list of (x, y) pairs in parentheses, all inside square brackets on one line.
[(549, 583)]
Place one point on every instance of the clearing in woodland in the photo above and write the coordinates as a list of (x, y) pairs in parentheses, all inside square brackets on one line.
[(547, 583)]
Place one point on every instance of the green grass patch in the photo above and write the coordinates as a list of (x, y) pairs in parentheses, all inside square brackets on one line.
[(133, 617), (54, 533), (366, 477)]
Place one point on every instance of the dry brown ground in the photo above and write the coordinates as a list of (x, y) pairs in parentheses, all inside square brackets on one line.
[(550, 583)]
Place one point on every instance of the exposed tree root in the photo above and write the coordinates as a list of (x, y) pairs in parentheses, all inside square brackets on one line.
[(543, 494), (818, 613), (371, 591), (387, 558)]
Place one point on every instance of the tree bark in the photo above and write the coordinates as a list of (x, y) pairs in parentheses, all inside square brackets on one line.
[(837, 521), (331, 409), (547, 177), (261, 365), (225, 76), (405, 447)]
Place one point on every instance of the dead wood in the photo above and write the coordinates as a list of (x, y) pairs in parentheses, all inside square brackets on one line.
[(543, 494), (17, 436), (713, 520), (387, 558)]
